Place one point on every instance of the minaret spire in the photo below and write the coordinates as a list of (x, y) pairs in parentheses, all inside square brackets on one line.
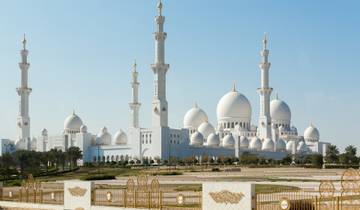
[(265, 41), (160, 68), (24, 42), (159, 6), (23, 121), (264, 91), (135, 105)]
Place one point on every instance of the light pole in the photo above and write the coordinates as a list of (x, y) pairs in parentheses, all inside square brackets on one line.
[(98, 155)]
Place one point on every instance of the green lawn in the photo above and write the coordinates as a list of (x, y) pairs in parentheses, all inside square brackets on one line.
[(270, 188)]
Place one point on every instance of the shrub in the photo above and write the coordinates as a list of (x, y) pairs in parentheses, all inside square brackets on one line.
[(215, 169), (167, 173), (13, 183), (98, 177)]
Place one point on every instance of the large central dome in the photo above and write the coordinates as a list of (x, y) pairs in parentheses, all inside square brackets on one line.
[(73, 123), (233, 107)]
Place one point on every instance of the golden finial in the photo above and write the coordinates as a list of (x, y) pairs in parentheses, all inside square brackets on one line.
[(159, 6), (234, 87), (265, 41), (134, 65), (24, 42)]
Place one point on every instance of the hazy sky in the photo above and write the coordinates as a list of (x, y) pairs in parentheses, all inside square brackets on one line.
[(81, 54)]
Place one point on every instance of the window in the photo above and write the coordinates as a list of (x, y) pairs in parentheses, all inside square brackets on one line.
[(232, 125)]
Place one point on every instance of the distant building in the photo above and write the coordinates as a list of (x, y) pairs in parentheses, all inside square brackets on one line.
[(273, 137)]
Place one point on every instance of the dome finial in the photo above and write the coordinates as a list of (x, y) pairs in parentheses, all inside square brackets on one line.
[(196, 105), (24, 42), (277, 96), (73, 112), (234, 87), (159, 6), (265, 41), (134, 65)]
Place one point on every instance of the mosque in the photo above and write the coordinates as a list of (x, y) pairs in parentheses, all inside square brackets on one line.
[(274, 136)]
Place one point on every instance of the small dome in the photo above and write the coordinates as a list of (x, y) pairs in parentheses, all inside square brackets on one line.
[(213, 140), (120, 138), (206, 129), (105, 137), (280, 145), (83, 129), (44, 132), (233, 106), (302, 147), (280, 112), (73, 123), (228, 141), (311, 133), (194, 117), (268, 145), (255, 144), (244, 142), (196, 139), (290, 146)]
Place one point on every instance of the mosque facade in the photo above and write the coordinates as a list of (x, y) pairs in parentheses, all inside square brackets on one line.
[(273, 137)]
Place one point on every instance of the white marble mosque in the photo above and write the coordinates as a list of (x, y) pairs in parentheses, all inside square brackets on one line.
[(273, 137)]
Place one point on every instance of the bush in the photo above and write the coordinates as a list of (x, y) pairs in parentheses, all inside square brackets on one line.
[(98, 177), (167, 173), (215, 169), (13, 183)]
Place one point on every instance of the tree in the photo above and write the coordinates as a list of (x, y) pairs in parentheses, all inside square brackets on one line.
[(45, 160), (73, 155), (332, 154), (349, 156), (7, 164), (314, 159), (247, 158), (286, 160)]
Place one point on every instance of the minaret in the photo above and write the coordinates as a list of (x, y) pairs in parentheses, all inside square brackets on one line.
[(160, 105), (24, 91), (264, 128), (135, 105)]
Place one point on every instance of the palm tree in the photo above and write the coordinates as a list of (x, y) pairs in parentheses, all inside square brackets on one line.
[(332, 154), (7, 164), (45, 156), (349, 156), (74, 154)]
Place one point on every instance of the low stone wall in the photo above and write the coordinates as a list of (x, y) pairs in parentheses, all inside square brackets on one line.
[(5, 205)]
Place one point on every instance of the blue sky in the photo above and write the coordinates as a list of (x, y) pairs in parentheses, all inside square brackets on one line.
[(81, 54)]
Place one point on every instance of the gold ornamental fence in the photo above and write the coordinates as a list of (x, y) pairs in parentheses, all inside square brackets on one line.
[(145, 194), (327, 197), (135, 194), (32, 191)]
